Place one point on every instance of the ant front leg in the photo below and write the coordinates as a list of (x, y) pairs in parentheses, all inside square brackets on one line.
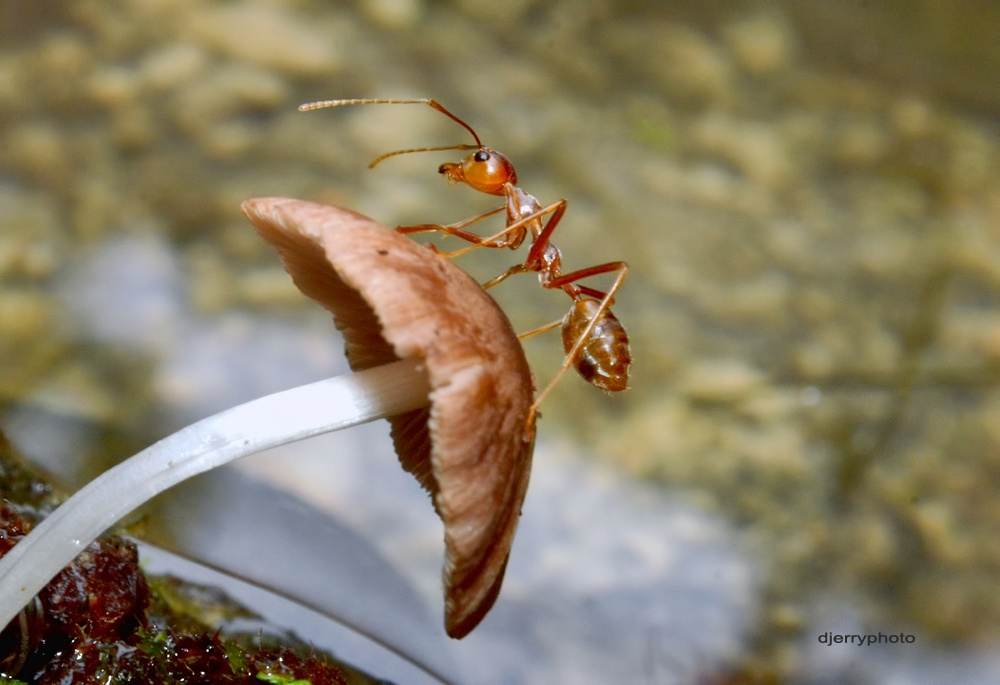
[(516, 230), (456, 229)]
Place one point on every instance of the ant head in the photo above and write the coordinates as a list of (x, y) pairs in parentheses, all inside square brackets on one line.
[(484, 170)]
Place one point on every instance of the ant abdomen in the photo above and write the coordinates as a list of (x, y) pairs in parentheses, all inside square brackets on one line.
[(604, 358)]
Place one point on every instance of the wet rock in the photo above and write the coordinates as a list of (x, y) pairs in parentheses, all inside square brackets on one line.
[(264, 35), (762, 44), (720, 381)]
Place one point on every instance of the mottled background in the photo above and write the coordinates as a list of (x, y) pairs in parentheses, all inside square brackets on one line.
[(808, 194)]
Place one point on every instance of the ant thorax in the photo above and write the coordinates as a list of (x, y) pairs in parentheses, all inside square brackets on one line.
[(520, 205)]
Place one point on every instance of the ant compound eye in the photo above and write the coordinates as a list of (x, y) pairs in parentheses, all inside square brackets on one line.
[(481, 156)]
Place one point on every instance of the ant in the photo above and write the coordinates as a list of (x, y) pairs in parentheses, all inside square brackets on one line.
[(595, 341)]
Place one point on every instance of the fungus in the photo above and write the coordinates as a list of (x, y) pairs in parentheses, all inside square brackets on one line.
[(394, 299), (430, 350)]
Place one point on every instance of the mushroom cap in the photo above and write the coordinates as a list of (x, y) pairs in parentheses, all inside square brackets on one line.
[(471, 448)]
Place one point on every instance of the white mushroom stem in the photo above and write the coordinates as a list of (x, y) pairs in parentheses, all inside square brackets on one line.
[(277, 419)]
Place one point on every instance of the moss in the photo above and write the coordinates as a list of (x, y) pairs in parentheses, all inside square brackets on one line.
[(281, 679), (102, 621)]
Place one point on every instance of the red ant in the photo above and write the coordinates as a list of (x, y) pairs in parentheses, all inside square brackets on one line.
[(594, 340)]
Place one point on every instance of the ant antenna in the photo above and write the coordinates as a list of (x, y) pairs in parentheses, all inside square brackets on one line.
[(393, 101), (380, 158)]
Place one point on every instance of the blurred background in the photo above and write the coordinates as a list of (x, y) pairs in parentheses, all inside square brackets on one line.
[(808, 195)]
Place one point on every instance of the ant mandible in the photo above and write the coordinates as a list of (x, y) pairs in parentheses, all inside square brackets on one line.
[(595, 341)]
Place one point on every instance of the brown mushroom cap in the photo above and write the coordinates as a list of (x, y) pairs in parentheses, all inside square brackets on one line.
[(394, 299)]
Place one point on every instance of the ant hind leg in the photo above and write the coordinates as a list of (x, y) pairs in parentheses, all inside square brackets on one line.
[(574, 352)]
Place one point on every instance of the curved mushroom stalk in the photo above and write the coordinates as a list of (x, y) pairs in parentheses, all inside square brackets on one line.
[(419, 332), (246, 429)]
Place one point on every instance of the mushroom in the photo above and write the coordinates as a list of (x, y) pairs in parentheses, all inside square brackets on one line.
[(431, 351), (394, 299)]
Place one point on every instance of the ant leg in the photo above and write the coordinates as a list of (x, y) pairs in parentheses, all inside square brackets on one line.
[(455, 229), (516, 269), (574, 352), (540, 329), (563, 280), (556, 208)]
